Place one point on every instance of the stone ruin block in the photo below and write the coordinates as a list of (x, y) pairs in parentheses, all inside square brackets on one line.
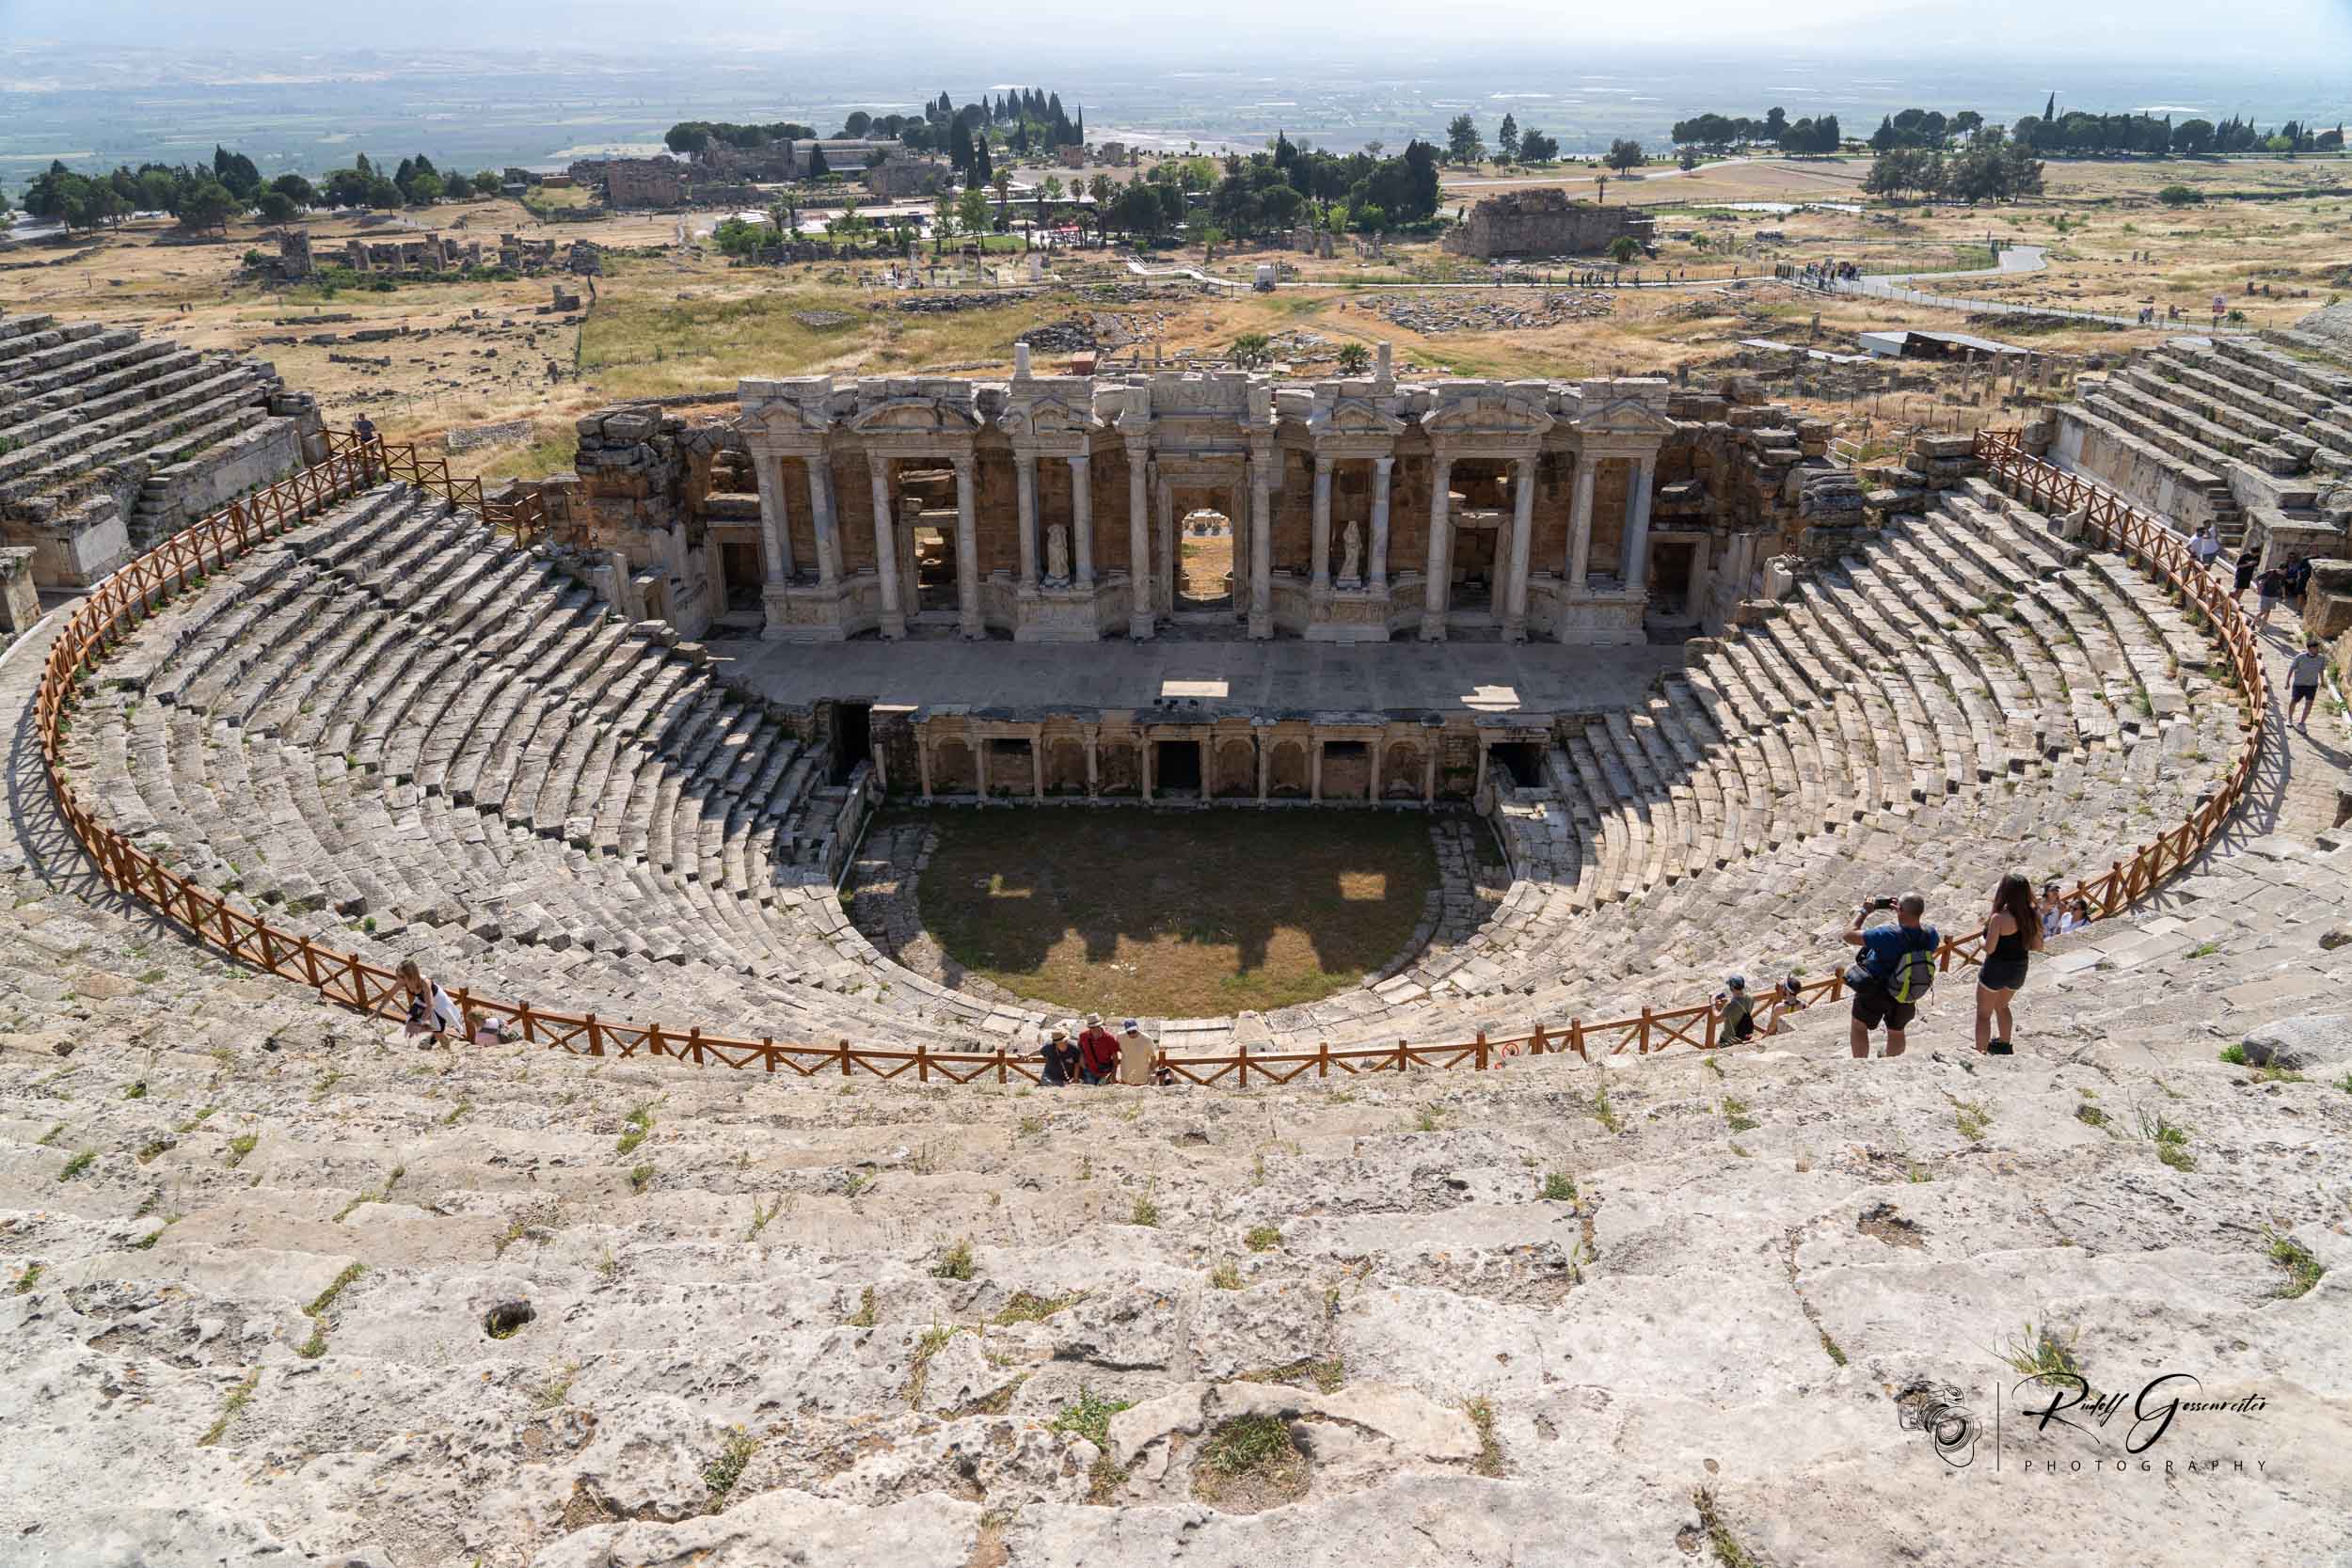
[(20, 604)]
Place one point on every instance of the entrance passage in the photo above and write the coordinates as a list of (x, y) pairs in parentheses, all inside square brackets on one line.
[(853, 739), (1205, 559), (1522, 762), (1177, 768), (934, 569), (739, 574)]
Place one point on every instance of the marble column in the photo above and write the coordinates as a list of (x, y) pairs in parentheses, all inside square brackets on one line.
[(1037, 762), (1637, 524), (1581, 524), (1261, 545), (1441, 585), (1314, 771), (1139, 608), (968, 549), (1171, 548), (821, 514), (981, 747), (1522, 529), (774, 520), (1319, 547), (1081, 522), (1378, 574), (894, 620), (1025, 467)]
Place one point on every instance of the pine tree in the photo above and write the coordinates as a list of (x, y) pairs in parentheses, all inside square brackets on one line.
[(2049, 110), (817, 169), (1507, 137)]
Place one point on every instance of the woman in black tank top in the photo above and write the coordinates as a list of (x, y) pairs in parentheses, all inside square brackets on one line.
[(2011, 931)]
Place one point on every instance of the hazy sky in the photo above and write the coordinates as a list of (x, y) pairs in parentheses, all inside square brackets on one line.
[(2296, 33)]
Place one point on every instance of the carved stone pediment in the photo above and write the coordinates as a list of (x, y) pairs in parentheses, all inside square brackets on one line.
[(913, 416), (1027, 418), (1486, 418), (1354, 419), (1624, 416)]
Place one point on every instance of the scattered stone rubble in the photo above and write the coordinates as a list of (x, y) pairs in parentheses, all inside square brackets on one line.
[(1437, 314)]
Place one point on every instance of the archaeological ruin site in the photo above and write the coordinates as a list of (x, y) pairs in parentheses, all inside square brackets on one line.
[(1424, 751)]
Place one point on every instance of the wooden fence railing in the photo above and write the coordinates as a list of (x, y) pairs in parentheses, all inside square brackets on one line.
[(526, 517), (115, 607)]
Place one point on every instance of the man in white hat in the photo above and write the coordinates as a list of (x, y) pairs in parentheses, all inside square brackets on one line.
[(1098, 1052), (1135, 1055)]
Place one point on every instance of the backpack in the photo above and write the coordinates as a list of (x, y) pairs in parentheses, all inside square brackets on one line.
[(1910, 979), (1914, 972)]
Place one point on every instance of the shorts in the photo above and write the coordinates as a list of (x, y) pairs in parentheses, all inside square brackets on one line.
[(2002, 974), (2267, 602), (1878, 1005), (2302, 694)]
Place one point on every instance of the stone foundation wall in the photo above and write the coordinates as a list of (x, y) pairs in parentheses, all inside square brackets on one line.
[(2143, 475)]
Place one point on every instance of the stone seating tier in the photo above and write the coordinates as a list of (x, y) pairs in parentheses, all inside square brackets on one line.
[(392, 732)]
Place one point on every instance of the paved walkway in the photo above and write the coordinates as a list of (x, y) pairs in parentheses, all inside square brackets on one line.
[(2015, 261), (1280, 676)]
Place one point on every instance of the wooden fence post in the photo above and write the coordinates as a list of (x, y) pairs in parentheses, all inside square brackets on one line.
[(1482, 1051), (1323, 1059)]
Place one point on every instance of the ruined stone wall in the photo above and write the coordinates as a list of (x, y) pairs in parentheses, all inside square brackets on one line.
[(1542, 223)]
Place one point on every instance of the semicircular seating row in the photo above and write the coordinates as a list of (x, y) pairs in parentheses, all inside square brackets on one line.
[(394, 733)]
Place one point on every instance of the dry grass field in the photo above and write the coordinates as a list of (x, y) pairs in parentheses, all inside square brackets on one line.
[(1179, 915), (668, 320)]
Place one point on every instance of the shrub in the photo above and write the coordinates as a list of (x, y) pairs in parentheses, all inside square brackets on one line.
[(1558, 1187), (955, 1263)]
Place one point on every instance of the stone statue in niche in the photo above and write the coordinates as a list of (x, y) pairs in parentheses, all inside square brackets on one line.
[(1352, 556), (1058, 554)]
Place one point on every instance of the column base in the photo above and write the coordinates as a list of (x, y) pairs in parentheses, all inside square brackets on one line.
[(1433, 626), (811, 613), (1139, 627), (894, 626), (1262, 625), (1514, 630)]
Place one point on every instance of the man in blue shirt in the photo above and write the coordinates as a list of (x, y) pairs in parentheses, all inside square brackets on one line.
[(1888, 977)]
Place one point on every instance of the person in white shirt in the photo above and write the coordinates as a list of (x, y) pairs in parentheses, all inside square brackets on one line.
[(2303, 673), (2203, 547), (430, 1010)]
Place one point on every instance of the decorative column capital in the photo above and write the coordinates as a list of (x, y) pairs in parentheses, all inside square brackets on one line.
[(1384, 464), (966, 466), (1323, 465)]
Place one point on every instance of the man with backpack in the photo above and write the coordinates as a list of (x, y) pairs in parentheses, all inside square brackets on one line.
[(1892, 972)]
